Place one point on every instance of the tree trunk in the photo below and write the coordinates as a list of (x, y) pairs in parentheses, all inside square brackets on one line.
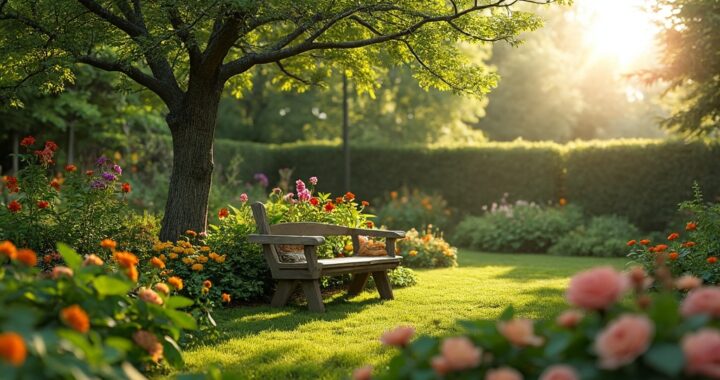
[(193, 128)]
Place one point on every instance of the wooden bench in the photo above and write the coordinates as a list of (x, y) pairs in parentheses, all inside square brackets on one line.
[(308, 273)]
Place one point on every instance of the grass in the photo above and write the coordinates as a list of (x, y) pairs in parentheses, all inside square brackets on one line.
[(292, 343)]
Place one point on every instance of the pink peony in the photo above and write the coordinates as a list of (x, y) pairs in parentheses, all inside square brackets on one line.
[(363, 373), (623, 340), (60, 271), (596, 289), (569, 318), (243, 197), (560, 372), (149, 296), (399, 337), (313, 180), (688, 282), (702, 353), (704, 300), (519, 332), (460, 353), (503, 373)]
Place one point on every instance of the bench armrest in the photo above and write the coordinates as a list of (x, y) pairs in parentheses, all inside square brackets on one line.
[(378, 233), (286, 239)]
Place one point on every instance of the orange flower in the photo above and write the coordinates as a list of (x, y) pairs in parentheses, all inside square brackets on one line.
[(191, 233), (27, 141), (148, 341), (108, 243), (393, 195), (8, 249), (226, 298), (688, 244), (27, 257), (644, 241), (329, 206), (690, 226), (14, 206), (661, 248), (562, 201), (92, 260), (70, 168), (132, 273), (673, 236), (55, 184), (157, 263), (223, 213), (349, 196), (631, 243), (673, 256), (365, 203), (339, 200), (76, 318), (197, 267), (370, 224), (125, 188), (176, 282), (207, 284), (89, 173), (125, 259), (12, 348), (43, 204), (149, 296), (712, 260), (61, 271)]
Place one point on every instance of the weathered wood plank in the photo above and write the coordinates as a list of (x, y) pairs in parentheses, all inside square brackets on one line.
[(383, 285), (357, 284), (313, 296), (286, 239), (284, 290)]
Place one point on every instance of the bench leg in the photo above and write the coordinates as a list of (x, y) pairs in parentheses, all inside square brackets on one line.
[(284, 290), (314, 298), (357, 283), (383, 285)]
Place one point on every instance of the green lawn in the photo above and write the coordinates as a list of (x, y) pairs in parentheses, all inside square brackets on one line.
[(266, 343)]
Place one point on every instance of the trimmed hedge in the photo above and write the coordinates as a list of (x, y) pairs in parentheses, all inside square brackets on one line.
[(643, 180)]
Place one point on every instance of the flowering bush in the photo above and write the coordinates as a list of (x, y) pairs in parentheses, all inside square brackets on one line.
[(87, 319), (408, 209), (428, 250), (694, 251), (603, 236), (655, 337)]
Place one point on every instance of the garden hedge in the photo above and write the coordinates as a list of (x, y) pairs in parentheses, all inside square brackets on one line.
[(641, 179)]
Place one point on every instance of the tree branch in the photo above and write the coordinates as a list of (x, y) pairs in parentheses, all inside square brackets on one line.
[(291, 75), (183, 31), (131, 29)]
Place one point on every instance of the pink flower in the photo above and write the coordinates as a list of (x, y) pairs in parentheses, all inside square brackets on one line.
[(705, 300), (363, 373), (560, 372), (623, 340), (399, 337), (313, 180), (519, 332), (149, 296), (440, 365), (458, 353), (243, 197), (300, 186), (702, 353), (503, 373), (92, 260), (688, 282), (569, 318), (597, 288), (60, 271), (304, 195)]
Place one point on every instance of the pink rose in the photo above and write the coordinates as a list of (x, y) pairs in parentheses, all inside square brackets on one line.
[(560, 372), (596, 289), (569, 318), (702, 353), (460, 353), (363, 373), (149, 296), (705, 300), (60, 271), (519, 332), (399, 337), (623, 340), (503, 373), (243, 197), (313, 180), (688, 282)]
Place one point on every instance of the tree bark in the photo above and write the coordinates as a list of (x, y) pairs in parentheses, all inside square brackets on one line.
[(193, 128)]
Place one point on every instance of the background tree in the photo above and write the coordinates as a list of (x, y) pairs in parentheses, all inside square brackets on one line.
[(187, 52)]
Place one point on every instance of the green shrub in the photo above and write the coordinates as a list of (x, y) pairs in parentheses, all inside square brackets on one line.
[(518, 227), (402, 277), (428, 250), (604, 236), (407, 209)]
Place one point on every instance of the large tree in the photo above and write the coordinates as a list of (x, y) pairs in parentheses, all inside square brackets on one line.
[(188, 51)]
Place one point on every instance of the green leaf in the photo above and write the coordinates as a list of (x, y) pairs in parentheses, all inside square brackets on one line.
[(172, 352), (109, 286), (666, 358), (182, 319), (507, 314), (178, 302), (423, 347), (71, 258)]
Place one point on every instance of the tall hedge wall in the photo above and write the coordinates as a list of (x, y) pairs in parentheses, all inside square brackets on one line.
[(643, 180)]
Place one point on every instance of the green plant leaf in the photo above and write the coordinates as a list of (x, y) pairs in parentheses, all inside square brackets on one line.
[(71, 258), (182, 319), (172, 352), (109, 286), (666, 358), (177, 302)]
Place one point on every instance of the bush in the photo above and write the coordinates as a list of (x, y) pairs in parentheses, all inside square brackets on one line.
[(427, 251), (518, 227), (84, 320), (604, 236), (407, 209), (400, 277)]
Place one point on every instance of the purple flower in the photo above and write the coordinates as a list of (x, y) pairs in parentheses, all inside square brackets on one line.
[(117, 169), (304, 195), (300, 186), (313, 181), (101, 161), (243, 197), (97, 184), (109, 176), (262, 179)]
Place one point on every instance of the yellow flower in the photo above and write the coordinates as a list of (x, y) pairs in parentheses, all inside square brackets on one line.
[(163, 257), (158, 247), (203, 259), (205, 248), (188, 260), (413, 253), (177, 249), (197, 267), (220, 259), (173, 255), (348, 247), (189, 251), (213, 255)]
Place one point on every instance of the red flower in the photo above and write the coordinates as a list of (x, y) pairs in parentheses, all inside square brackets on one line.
[(43, 204), (365, 203), (70, 168), (369, 224), (11, 183), (673, 256), (55, 184), (89, 173), (51, 146), (673, 236), (644, 241), (349, 196), (688, 244), (314, 201), (712, 260), (661, 247), (631, 243), (690, 226), (126, 188), (329, 206), (27, 141), (223, 213), (14, 206), (339, 200)]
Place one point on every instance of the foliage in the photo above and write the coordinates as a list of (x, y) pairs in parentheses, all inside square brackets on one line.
[(695, 251), (603, 236), (656, 337), (406, 209), (400, 277), (517, 227), (83, 321), (427, 251)]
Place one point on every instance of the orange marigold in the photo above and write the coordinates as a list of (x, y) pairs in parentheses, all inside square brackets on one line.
[(27, 257), (176, 282), (191, 233), (55, 184), (562, 201), (157, 263), (226, 298), (690, 226), (673, 256), (197, 267), (688, 244), (223, 213), (76, 318), (162, 288), (125, 259), (631, 243), (644, 241), (70, 168), (93, 260), (712, 260), (8, 249), (132, 273), (12, 348), (349, 196), (661, 248), (365, 203), (673, 236), (108, 243), (207, 284)]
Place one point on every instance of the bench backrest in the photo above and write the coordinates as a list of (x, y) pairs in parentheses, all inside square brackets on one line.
[(263, 228)]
